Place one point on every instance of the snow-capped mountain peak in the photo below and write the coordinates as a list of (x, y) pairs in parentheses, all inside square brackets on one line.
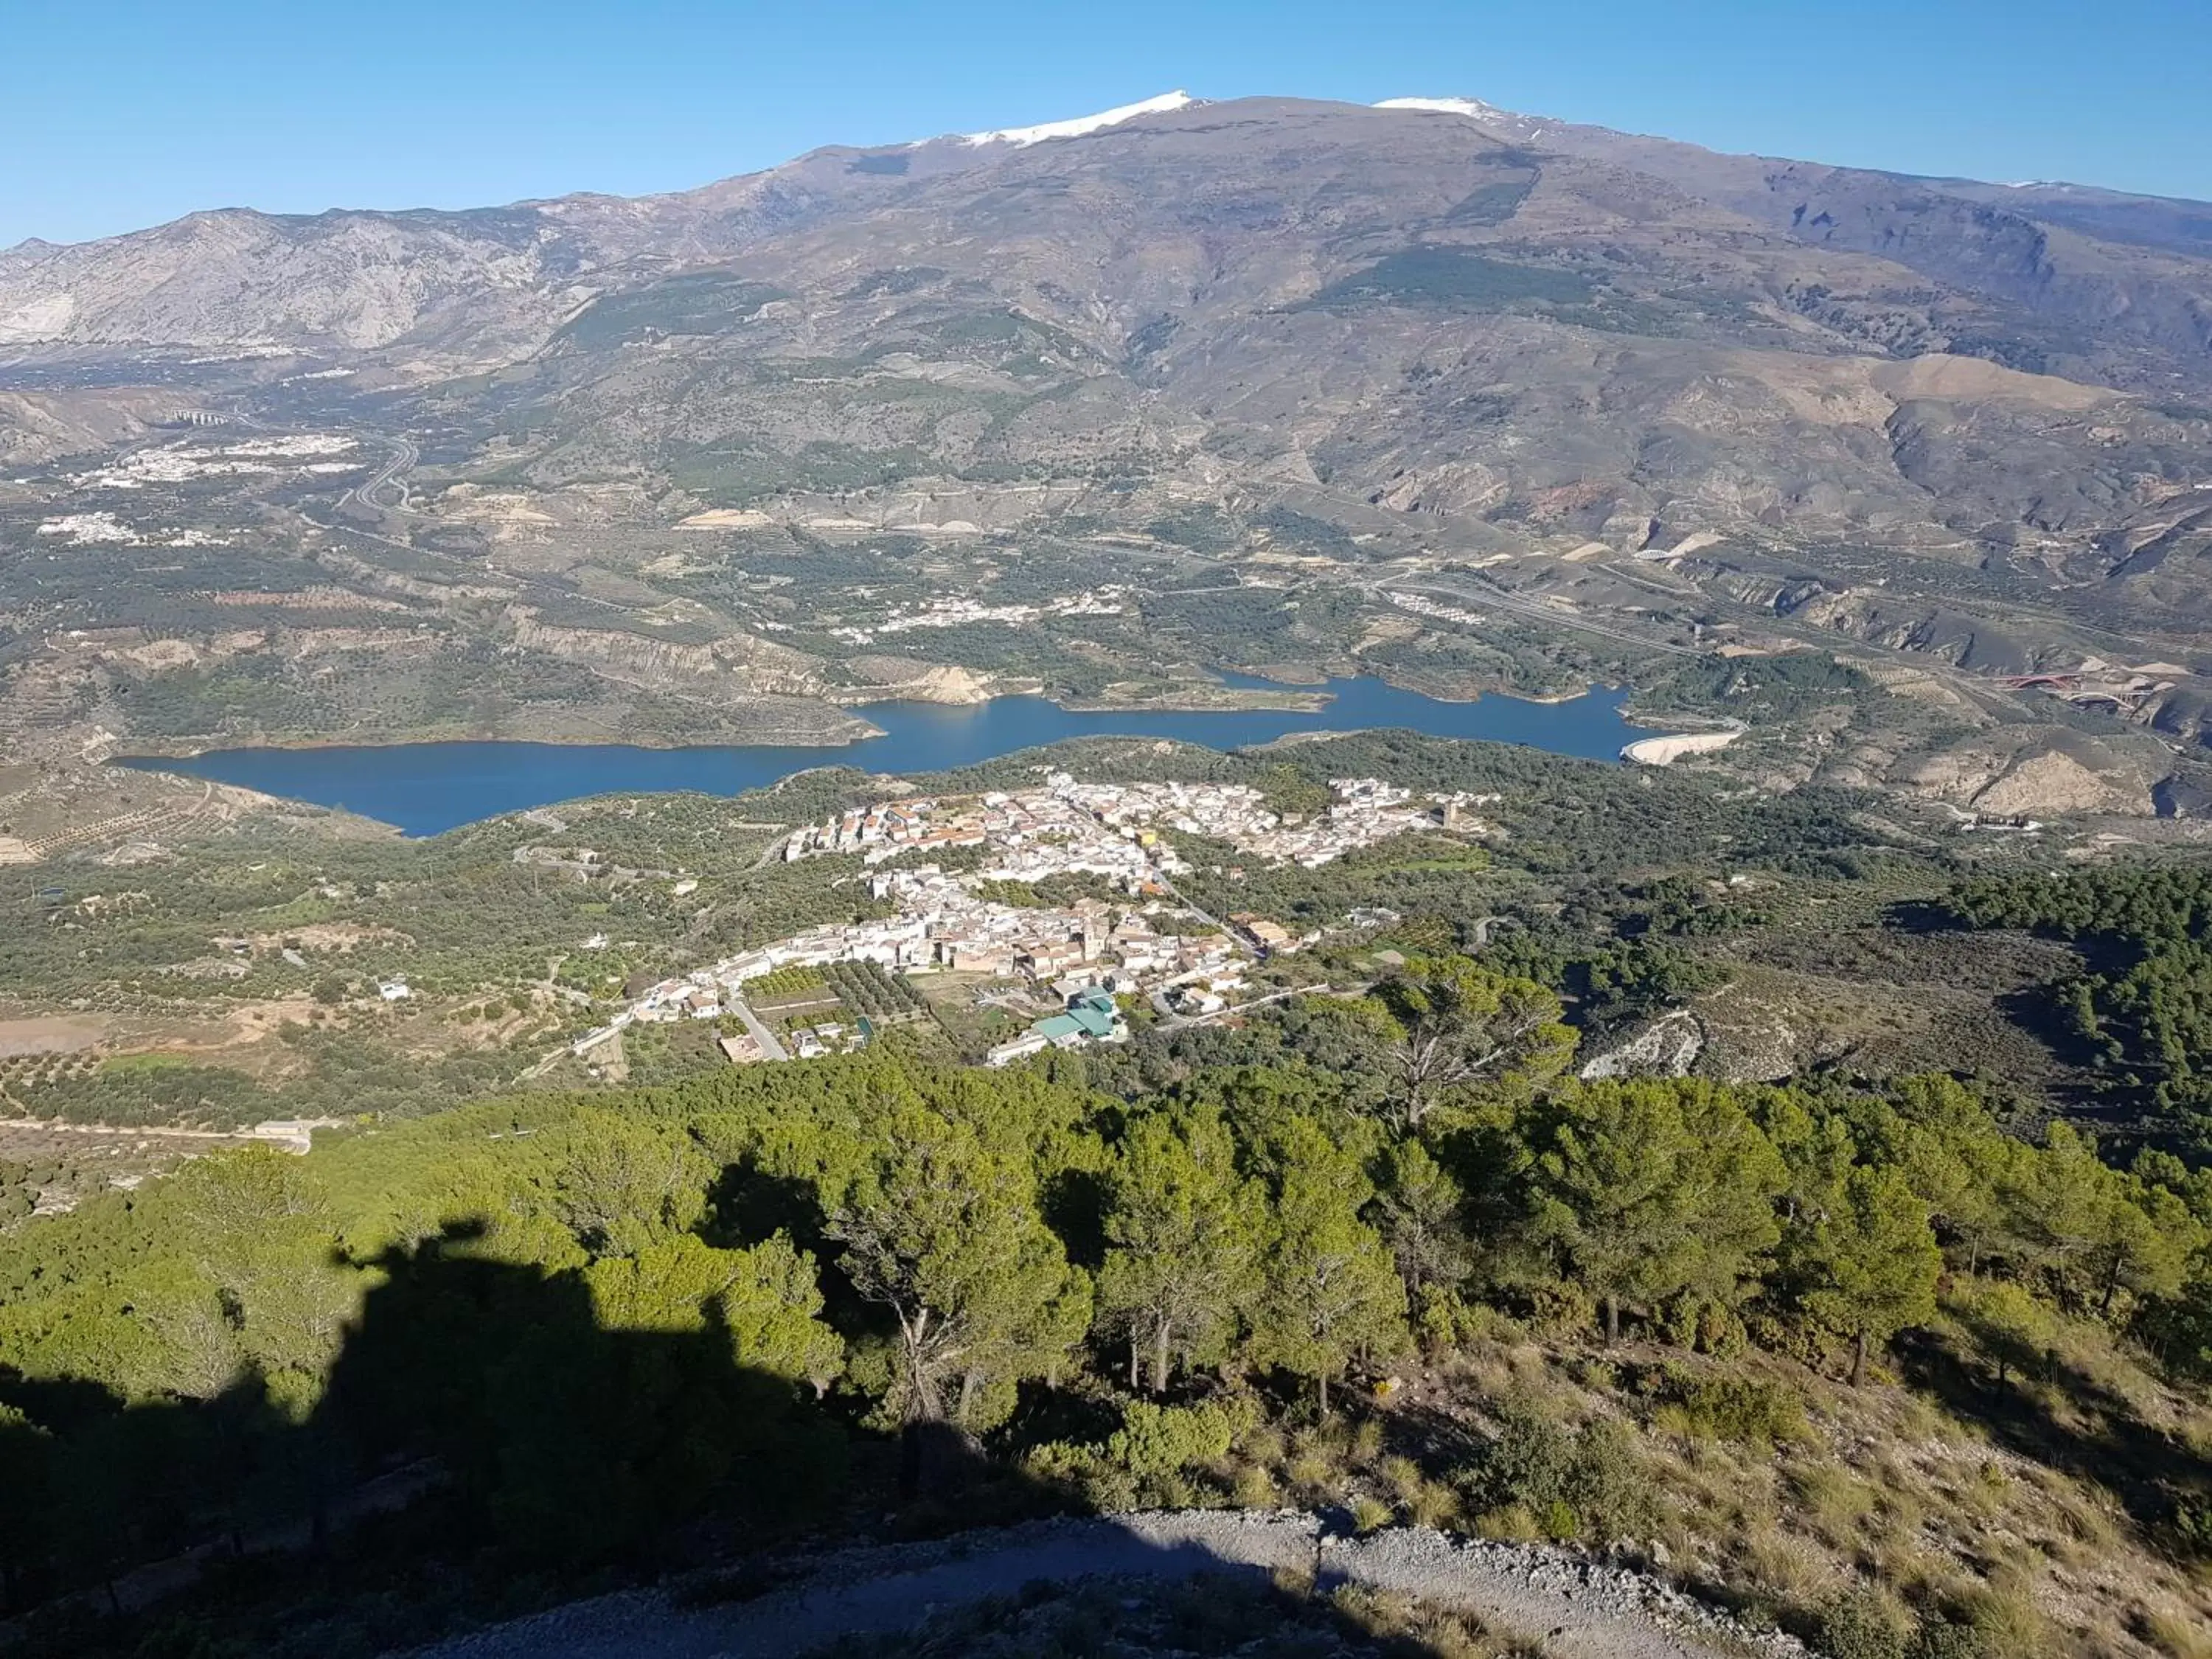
[(1161, 105), (1473, 108)]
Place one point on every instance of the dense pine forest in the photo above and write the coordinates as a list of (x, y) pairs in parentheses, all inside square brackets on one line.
[(1402, 1257)]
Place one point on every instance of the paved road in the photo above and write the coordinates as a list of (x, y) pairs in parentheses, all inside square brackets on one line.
[(762, 1035), (387, 490)]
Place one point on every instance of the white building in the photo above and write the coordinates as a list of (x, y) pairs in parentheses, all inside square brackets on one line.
[(1020, 1048)]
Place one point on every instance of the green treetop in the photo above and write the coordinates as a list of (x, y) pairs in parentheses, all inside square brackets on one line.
[(1868, 1263), (1655, 1189), (945, 1234), (1331, 1291), (1183, 1237)]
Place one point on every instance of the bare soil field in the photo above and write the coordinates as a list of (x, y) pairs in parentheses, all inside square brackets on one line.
[(51, 1034)]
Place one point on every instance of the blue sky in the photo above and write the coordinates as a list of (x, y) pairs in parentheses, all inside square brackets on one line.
[(119, 113)]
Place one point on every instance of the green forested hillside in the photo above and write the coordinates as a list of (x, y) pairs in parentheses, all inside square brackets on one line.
[(2140, 1005), (776, 1298)]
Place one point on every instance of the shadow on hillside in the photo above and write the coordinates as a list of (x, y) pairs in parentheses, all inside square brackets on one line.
[(2110, 1448), (485, 1447), (485, 1391)]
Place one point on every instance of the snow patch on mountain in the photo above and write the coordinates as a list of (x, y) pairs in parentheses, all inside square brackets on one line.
[(1164, 104), (1473, 108)]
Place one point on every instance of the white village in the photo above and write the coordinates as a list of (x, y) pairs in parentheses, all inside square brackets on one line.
[(1074, 965)]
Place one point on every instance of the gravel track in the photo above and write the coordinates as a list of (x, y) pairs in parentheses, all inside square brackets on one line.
[(1583, 1609)]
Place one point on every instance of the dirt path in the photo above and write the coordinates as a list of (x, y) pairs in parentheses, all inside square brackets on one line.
[(1579, 1609)]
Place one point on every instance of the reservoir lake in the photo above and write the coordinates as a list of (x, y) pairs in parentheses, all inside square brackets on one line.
[(428, 788)]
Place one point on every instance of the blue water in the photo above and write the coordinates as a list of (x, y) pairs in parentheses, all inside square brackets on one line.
[(428, 788)]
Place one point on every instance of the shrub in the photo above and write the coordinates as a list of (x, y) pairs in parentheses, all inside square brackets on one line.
[(1367, 1441), (1159, 1440), (1608, 1483), (1084, 1474), (1433, 1505), (1864, 1624), (1985, 1622), (1586, 1481), (1510, 1523), (1444, 1320), (1404, 1475), (1528, 1460), (1600, 1376), (2192, 1526), (1253, 1488), (1148, 1460), (1561, 1310), (1750, 1410)]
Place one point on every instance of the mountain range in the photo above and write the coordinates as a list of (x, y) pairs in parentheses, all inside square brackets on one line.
[(1974, 419), (1389, 301)]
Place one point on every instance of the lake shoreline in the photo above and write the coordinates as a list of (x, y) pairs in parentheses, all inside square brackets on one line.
[(426, 788), (1257, 696)]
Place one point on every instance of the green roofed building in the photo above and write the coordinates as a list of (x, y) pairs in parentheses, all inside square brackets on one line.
[(1090, 1016), (1061, 1027)]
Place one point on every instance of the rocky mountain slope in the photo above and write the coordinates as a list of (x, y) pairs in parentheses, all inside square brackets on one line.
[(1505, 324), (1608, 372)]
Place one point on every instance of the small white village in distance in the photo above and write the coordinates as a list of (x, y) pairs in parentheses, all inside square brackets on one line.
[(1077, 968)]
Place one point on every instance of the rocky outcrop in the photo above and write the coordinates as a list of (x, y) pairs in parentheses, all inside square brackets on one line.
[(735, 665), (905, 680), (1668, 1047), (2043, 772)]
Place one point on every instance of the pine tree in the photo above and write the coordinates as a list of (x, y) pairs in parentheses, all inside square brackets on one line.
[(1459, 1024), (945, 1235), (1183, 1237), (1868, 1266), (1655, 1189), (1332, 1291), (764, 1300), (1418, 1210)]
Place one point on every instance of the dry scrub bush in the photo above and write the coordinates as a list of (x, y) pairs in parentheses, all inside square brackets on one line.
[(1371, 1514), (1865, 1623), (1510, 1523), (1403, 1476), (1253, 1488), (1783, 1570), (1830, 1501), (1434, 1505), (1437, 1631), (2002, 1617), (2178, 1632)]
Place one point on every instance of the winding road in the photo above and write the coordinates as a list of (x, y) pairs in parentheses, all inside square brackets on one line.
[(391, 477)]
